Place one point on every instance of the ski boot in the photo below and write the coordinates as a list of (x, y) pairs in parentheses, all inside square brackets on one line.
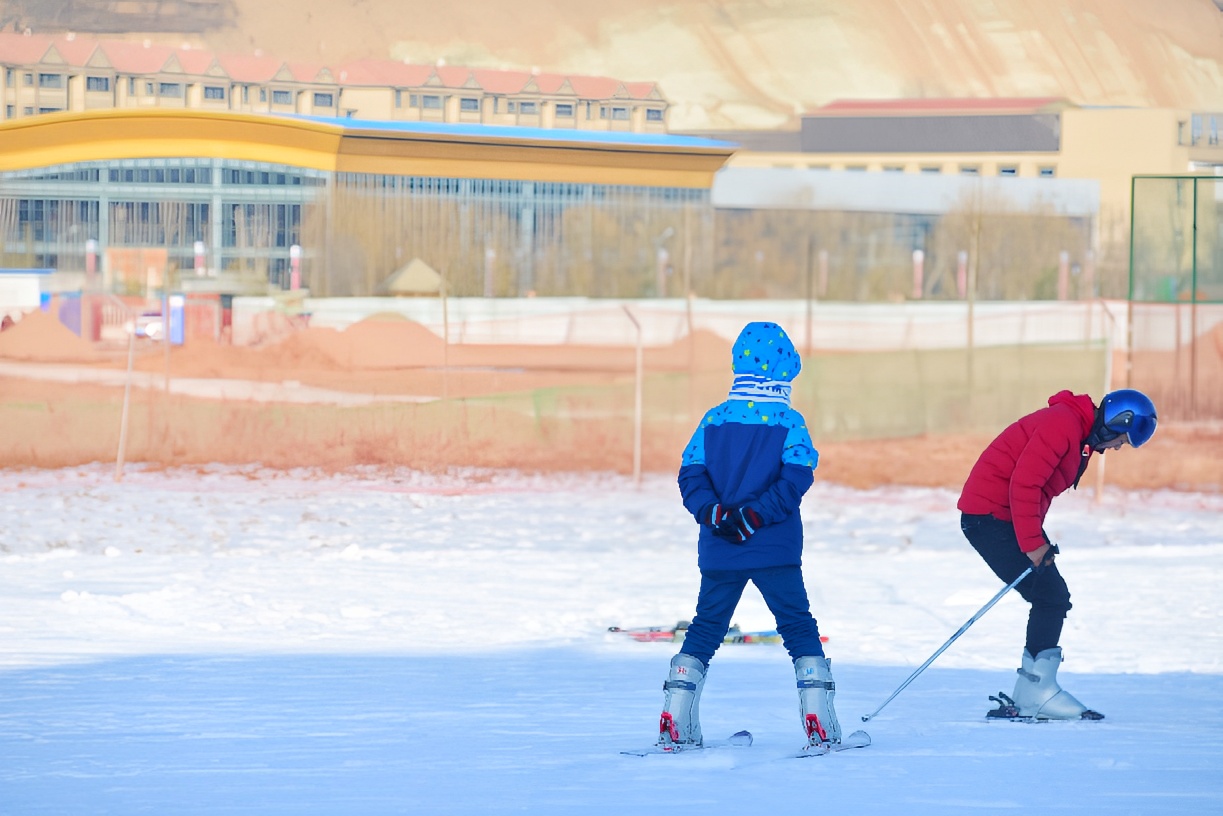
[(815, 692), (679, 727), (1038, 695)]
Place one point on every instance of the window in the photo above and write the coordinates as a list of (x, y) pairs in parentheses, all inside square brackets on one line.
[(931, 168), (413, 101), (282, 97), (893, 168), (263, 94), (95, 83), (653, 115), (214, 92), (564, 111), (50, 80), (602, 111), (511, 106), (1047, 172), (49, 110), (398, 98), (148, 89), (620, 113), (528, 108), (969, 170), (431, 102), (324, 100), (27, 111), (9, 111), (171, 90), (27, 79), (246, 94), (9, 74), (855, 168), (469, 104), (131, 86), (1008, 170)]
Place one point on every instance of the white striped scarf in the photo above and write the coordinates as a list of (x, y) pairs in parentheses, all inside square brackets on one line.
[(760, 389)]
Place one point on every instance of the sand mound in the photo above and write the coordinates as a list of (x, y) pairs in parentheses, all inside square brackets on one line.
[(313, 348), (378, 343), (40, 337)]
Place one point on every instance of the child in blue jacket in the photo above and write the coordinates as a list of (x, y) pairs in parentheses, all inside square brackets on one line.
[(743, 476)]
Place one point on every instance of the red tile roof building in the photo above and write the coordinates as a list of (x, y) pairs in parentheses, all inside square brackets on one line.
[(48, 74)]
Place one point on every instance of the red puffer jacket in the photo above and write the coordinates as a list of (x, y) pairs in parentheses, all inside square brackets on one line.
[(1036, 458)]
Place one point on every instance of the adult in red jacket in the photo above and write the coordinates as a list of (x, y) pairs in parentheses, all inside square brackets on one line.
[(1003, 508)]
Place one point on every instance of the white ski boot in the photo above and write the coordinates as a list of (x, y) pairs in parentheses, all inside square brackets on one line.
[(1038, 695), (679, 726), (815, 692)]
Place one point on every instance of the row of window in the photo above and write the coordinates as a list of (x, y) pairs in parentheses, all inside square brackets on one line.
[(322, 99), (1044, 171), (177, 171), (170, 90), (524, 107), (145, 222)]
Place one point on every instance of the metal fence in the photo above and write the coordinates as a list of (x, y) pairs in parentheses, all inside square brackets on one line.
[(1176, 294)]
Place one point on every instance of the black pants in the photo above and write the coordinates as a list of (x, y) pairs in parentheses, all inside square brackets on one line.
[(995, 541)]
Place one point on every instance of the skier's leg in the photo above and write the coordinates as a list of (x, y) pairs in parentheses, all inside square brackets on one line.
[(680, 722), (719, 595), (786, 596), (1046, 591), (1050, 599), (815, 692)]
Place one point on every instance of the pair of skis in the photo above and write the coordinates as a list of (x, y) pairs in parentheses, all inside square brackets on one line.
[(817, 745)]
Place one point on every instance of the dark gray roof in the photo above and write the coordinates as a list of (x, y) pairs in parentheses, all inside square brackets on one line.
[(994, 133)]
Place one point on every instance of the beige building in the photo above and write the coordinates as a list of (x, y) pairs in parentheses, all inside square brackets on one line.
[(1034, 138), (49, 74)]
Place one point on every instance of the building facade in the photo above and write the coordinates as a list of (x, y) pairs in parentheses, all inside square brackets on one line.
[(129, 201), (42, 74), (1009, 137)]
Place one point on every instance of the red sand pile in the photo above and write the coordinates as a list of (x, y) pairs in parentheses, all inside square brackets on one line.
[(39, 337)]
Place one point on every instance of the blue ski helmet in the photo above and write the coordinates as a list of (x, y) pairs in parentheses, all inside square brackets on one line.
[(1128, 412)]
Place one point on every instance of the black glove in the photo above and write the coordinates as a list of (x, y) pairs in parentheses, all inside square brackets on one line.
[(711, 515), (1047, 561), (739, 524)]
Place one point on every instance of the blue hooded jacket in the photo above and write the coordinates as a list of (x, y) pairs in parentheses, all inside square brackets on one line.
[(753, 449)]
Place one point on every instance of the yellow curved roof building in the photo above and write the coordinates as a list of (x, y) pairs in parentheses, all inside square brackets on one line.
[(354, 146), (503, 210)]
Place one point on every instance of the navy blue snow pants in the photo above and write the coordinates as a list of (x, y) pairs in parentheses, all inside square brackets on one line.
[(996, 542), (783, 592)]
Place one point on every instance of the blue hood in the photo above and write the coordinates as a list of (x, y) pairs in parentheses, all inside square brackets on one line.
[(764, 350)]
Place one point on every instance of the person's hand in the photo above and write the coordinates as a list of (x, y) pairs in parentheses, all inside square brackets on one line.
[(711, 515), (739, 524), (1042, 557)]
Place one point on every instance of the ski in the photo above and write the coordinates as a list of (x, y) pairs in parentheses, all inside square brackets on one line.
[(1007, 711), (739, 739), (858, 739), (676, 634)]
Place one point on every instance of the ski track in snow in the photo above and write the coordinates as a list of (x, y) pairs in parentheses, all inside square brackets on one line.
[(240, 640)]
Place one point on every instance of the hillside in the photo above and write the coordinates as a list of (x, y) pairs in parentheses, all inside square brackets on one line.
[(736, 63)]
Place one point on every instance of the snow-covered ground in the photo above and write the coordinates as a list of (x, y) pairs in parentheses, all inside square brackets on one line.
[(243, 641)]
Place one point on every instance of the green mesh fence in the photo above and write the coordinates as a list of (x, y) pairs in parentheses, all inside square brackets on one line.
[(1176, 294)]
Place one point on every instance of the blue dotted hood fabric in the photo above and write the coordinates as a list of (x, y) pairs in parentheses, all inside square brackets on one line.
[(765, 350)]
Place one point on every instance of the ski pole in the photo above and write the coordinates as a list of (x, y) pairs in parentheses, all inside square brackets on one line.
[(952, 640)]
